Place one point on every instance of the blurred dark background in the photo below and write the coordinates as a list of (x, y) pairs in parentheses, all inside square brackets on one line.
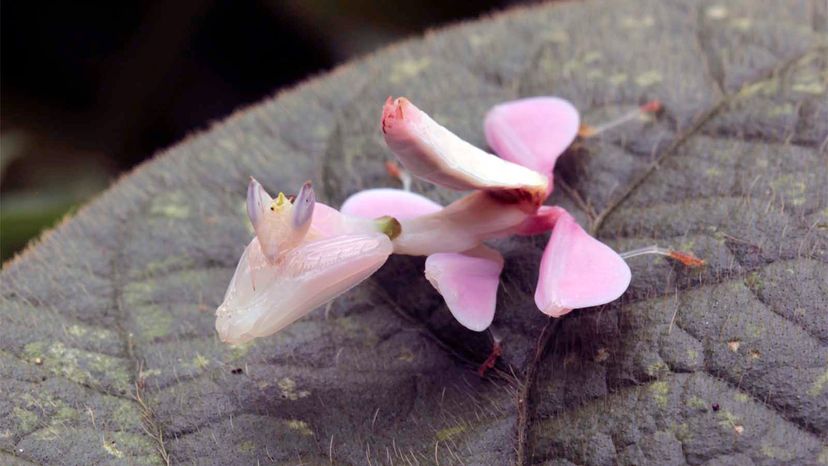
[(88, 90)]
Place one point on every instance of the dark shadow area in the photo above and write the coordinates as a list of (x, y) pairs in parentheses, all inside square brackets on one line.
[(92, 89)]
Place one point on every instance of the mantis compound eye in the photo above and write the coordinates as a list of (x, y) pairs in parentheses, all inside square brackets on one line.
[(303, 205), (258, 200)]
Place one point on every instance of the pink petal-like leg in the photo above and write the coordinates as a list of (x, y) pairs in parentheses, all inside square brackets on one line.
[(532, 132), (433, 153), (427, 229), (462, 225), (468, 282), (578, 271), (303, 279), (402, 205)]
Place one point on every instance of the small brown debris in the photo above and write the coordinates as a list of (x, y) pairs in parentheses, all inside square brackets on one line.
[(489, 363)]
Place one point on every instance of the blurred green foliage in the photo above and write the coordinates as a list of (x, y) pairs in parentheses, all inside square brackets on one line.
[(49, 182), (24, 216)]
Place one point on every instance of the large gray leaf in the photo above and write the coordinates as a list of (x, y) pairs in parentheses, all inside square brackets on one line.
[(107, 348)]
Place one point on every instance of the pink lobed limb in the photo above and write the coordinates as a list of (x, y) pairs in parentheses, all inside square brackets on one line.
[(402, 205), (578, 271), (433, 153), (532, 132), (468, 282), (428, 229), (462, 225), (541, 221)]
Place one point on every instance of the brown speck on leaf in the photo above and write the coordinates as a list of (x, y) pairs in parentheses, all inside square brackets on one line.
[(687, 259), (491, 360)]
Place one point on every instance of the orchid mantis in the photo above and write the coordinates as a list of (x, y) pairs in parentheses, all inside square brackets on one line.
[(306, 253)]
